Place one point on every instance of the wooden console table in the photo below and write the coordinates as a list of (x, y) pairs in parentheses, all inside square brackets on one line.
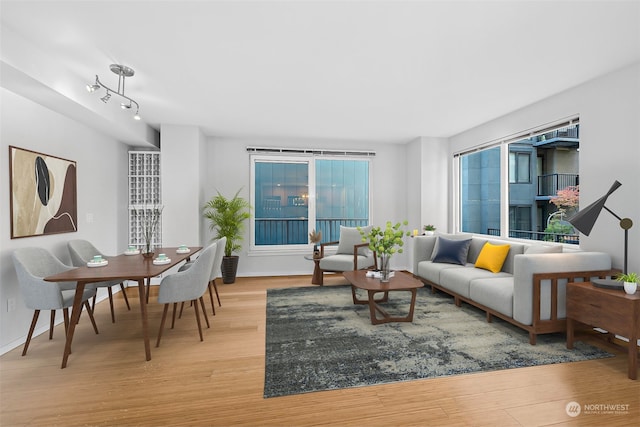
[(609, 309)]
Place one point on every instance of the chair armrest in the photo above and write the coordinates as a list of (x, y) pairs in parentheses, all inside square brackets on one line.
[(355, 255), (322, 245)]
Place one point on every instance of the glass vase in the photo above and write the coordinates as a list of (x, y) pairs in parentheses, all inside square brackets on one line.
[(384, 268)]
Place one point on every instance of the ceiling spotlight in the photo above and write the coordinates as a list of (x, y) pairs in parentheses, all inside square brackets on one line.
[(92, 88), (122, 71)]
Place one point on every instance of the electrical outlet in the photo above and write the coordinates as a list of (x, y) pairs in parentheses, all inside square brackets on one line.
[(89, 218), (11, 304)]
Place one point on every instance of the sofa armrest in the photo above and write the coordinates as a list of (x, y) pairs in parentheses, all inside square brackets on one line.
[(527, 265), (422, 250)]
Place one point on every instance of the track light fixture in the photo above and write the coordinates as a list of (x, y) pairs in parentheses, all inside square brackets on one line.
[(122, 71)]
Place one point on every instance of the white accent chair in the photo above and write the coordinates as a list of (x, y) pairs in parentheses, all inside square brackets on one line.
[(187, 285), (32, 266), (352, 253), (82, 251)]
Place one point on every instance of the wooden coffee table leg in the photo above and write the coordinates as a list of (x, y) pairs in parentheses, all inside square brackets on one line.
[(386, 317)]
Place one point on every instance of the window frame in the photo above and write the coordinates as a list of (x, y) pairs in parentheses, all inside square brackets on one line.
[(505, 181), (310, 160)]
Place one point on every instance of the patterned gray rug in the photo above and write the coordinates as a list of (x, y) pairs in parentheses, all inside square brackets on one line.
[(317, 339)]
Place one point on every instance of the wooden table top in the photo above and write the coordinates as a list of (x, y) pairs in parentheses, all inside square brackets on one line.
[(400, 281), (132, 267)]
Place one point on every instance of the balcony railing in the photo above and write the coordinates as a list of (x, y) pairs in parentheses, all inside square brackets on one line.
[(294, 231), (573, 239), (548, 185)]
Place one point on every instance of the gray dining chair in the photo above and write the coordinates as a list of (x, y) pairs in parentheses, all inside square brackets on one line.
[(216, 273), (82, 251), (32, 266), (188, 285)]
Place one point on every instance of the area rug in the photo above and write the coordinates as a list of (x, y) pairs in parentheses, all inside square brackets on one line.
[(317, 339)]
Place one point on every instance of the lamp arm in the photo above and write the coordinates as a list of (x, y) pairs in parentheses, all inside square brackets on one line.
[(612, 213)]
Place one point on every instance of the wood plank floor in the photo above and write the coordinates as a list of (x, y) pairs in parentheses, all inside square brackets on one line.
[(219, 382)]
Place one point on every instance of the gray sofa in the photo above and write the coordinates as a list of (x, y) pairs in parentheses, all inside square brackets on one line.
[(528, 291)]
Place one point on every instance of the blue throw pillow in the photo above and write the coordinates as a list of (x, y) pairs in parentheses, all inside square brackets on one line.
[(451, 251)]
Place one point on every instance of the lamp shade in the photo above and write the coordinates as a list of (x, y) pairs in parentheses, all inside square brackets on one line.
[(586, 218)]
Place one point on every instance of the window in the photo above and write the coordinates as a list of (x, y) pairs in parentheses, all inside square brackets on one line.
[(519, 167), (294, 195), (524, 190)]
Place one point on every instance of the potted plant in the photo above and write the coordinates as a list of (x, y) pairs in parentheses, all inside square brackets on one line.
[(227, 217), (386, 242), (429, 229), (630, 282)]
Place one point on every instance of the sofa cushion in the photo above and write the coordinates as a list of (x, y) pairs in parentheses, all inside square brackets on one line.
[(431, 271), (344, 262), (543, 249), (495, 293), (350, 236), (492, 257), (458, 279), (451, 251)]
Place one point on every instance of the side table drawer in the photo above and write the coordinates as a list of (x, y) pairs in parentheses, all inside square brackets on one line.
[(599, 310)]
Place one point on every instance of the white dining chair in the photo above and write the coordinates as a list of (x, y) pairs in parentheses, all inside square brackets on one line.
[(187, 285), (82, 251), (216, 273), (32, 266)]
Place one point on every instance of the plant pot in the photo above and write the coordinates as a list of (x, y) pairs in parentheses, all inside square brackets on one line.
[(147, 255), (630, 287), (229, 268)]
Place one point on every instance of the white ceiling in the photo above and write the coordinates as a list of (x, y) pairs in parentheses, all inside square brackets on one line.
[(349, 70)]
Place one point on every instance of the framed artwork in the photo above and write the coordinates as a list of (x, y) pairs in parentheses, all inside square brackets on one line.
[(43, 194)]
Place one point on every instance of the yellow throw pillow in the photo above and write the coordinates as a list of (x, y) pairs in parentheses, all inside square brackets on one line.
[(492, 257)]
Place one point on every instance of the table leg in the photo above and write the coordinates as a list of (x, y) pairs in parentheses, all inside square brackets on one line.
[(633, 356), (317, 278), (143, 314), (75, 316), (570, 326)]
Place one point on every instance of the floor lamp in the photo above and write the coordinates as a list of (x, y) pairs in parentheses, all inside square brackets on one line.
[(584, 220)]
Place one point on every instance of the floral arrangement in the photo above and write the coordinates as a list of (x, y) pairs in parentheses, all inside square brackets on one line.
[(315, 236), (429, 227), (386, 241)]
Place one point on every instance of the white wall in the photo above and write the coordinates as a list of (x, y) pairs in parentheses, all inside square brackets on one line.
[(102, 183), (228, 165), (609, 110)]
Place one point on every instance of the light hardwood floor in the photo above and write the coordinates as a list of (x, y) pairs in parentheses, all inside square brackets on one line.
[(219, 382)]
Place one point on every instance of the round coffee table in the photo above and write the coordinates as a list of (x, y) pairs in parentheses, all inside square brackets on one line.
[(399, 282)]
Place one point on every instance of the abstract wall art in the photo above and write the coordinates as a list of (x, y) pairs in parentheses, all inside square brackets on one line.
[(43, 194)]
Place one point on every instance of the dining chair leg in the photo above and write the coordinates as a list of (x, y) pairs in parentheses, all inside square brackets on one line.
[(65, 314), (164, 316), (195, 304), (213, 307), (36, 313), (215, 287), (90, 313), (181, 308), (124, 294), (52, 321), (113, 314), (204, 311), (173, 318)]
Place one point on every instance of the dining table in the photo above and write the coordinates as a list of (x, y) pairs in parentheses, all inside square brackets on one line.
[(135, 267)]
